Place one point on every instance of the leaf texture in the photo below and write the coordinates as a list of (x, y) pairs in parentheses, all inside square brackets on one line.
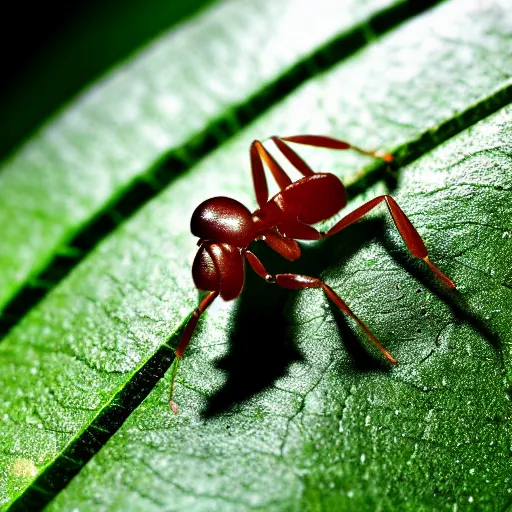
[(124, 127), (315, 423)]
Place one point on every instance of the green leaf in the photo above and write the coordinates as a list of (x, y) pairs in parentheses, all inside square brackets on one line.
[(79, 363), (340, 431), (77, 52), (124, 129)]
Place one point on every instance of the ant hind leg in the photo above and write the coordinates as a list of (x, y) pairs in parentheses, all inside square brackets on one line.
[(407, 231), (322, 141)]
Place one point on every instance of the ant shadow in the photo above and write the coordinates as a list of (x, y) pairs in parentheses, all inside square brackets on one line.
[(455, 301), (261, 347)]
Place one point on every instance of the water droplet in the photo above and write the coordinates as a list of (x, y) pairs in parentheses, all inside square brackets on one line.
[(363, 458)]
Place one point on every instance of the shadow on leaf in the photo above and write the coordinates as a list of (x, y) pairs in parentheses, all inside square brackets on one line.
[(452, 298), (261, 348)]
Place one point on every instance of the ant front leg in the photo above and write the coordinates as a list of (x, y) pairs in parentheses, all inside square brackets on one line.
[(300, 282), (186, 335), (407, 231)]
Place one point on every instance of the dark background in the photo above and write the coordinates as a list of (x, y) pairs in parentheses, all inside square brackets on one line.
[(51, 50)]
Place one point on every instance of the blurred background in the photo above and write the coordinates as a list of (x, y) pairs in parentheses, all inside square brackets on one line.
[(50, 50)]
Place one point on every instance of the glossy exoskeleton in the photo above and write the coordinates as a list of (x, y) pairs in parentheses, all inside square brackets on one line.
[(226, 228)]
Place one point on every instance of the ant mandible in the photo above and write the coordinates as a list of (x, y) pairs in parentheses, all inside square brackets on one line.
[(226, 228)]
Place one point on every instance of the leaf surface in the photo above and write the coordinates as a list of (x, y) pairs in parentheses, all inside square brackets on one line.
[(339, 431), (68, 367), (124, 128)]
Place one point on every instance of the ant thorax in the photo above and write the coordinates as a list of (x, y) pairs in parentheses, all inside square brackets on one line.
[(266, 218)]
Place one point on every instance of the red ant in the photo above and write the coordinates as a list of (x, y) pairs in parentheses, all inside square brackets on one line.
[(226, 228)]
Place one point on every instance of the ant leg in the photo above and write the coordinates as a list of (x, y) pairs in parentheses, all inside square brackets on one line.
[(191, 325), (293, 157), (322, 141), (258, 267), (259, 155), (185, 339), (299, 282), (407, 231)]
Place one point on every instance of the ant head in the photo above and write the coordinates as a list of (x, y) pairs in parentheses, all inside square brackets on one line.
[(222, 219)]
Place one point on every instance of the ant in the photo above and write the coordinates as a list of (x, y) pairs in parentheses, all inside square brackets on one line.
[(226, 228)]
